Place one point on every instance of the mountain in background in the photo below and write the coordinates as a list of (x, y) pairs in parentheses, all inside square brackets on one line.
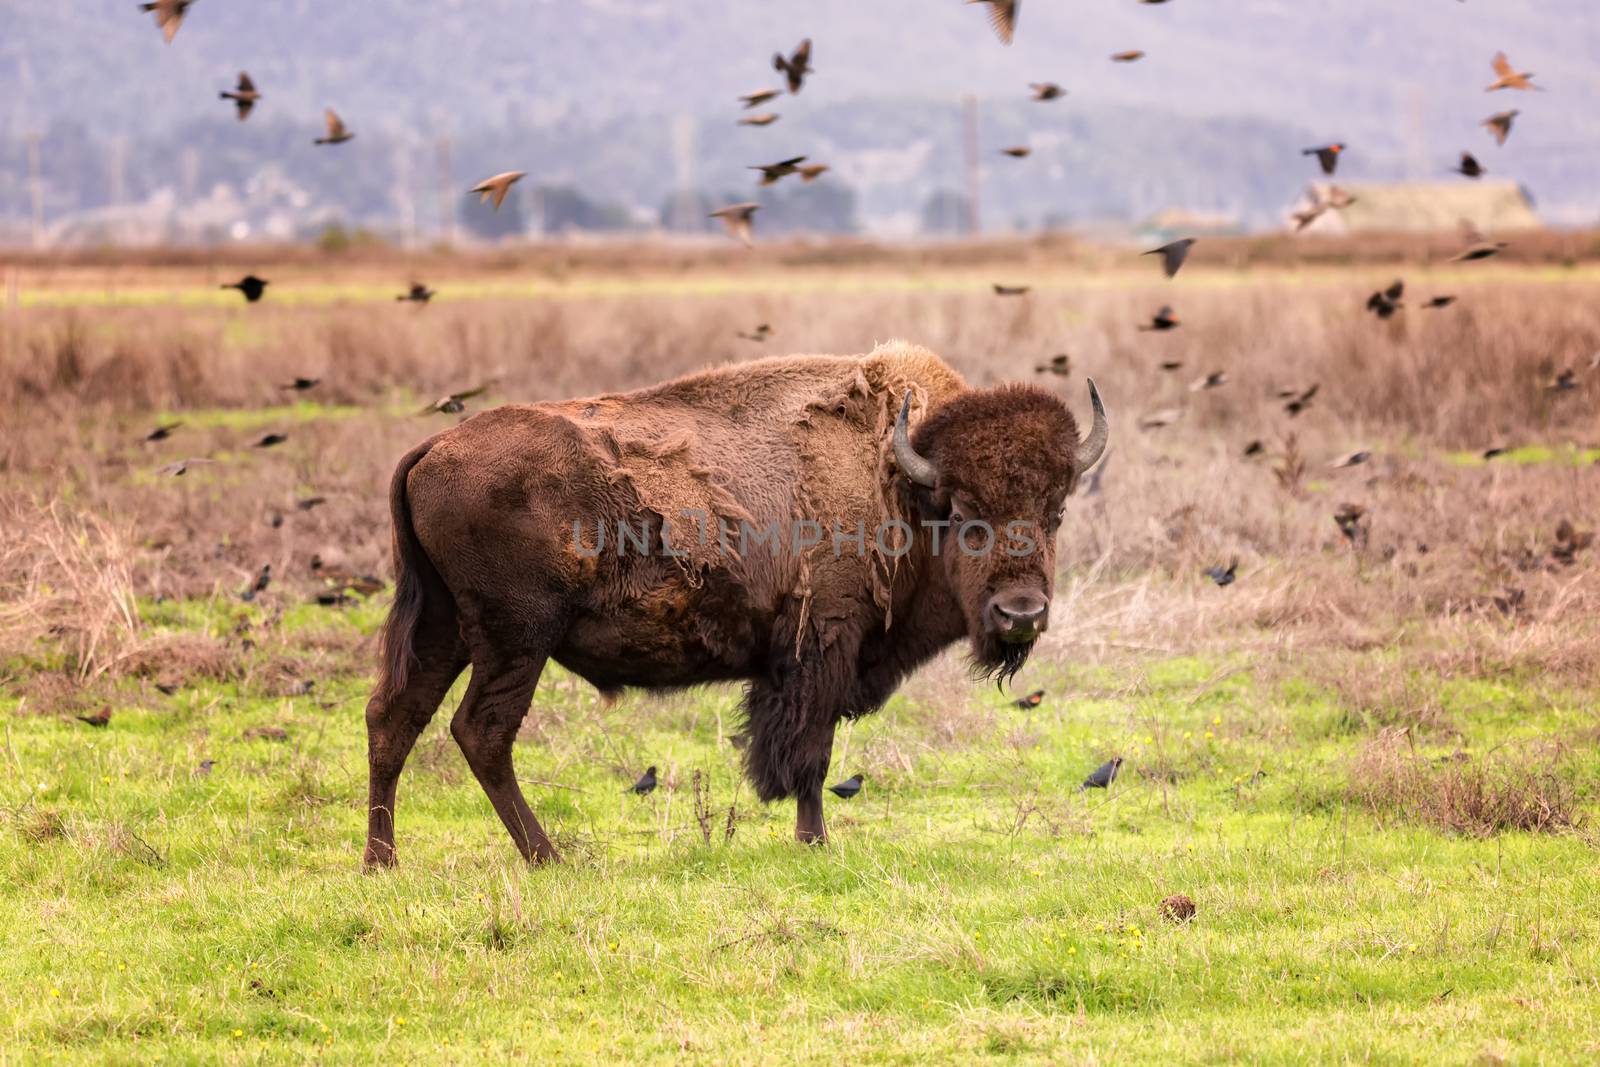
[(631, 104)]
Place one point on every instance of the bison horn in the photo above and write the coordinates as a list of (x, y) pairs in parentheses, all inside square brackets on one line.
[(1093, 446), (918, 468)]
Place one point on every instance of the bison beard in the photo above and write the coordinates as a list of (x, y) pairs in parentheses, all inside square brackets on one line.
[(491, 573)]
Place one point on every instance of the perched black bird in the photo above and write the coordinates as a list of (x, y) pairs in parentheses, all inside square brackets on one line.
[(300, 384), (1470, 167), (162, 432), (1440, 302), (846, 789), (270, 440), (1173, 254), (1103, 775), (203, 768), (1327, 155), (1221, 576), (1162, 320), (1031, 701), (417, 294), (646, 782), (251, 286), (99, 719)]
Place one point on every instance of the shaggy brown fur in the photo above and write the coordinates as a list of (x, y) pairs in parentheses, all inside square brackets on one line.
[(506, 555)]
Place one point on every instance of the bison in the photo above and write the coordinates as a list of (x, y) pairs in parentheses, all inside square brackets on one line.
[(776, 523)]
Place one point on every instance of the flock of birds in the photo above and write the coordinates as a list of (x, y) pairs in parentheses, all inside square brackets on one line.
[(738, 219)]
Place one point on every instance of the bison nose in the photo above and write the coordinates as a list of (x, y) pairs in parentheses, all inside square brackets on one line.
[(1019, 616)]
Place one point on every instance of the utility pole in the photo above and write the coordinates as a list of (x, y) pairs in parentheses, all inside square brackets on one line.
[(969, 116), (36, 188)]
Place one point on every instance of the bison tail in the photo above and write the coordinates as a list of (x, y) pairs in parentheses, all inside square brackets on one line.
[(414, 573)]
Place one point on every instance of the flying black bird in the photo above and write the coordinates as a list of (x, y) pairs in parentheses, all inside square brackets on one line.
[(99, 719), (1002, 16), (1254, 448), (169, 15), (1497, 450), (1479, 250), (307, 503), (1171, 364), (645, 784), (1298, 402), (1223, 577), (251, 286), (1327, 155), (1215, 380), (1385, 302), (1020, 151), (1162, 320), (759, 335), (418, 294), (1499, 125), (1349, 518), (244, 97), (772, 172), (765, 118), (1173, 254), (1564, 382), (1031, 701), (1132, 56), (759, 97), (495, 188), (180, 468), (1059, 365), (846, 789), (1103, 775), (1440, 302), (1010, 290), (1470, 166), (338, 133), (162, 432), (795, 67), (1046, 90), (739, 219), (300, 384), (1351, 459), (1508, 77), (453, 404), (270, 440)]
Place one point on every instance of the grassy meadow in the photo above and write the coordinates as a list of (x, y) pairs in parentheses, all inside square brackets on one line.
[(1371, 762)]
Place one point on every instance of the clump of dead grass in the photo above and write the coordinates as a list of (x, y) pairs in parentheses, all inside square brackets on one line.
[(1474, 796)]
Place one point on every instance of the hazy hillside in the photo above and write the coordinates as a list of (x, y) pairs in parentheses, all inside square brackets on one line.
[(1212, 118)]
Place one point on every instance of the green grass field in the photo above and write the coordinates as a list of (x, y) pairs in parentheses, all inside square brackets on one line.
[(971, 906)]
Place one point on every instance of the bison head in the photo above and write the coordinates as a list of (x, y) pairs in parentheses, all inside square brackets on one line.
[(997, 465)]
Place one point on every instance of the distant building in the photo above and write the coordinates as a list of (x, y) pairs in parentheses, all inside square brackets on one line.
[(1424, 207)]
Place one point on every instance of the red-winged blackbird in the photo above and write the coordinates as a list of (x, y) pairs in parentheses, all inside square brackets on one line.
[(1162, 320), (1032, 700), (1327, 155)]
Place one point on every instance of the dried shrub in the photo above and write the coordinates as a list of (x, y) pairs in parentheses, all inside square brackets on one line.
[(1469, 795)]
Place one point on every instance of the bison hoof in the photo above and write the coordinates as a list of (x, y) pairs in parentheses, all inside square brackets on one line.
[(811, 837), (378, 855)]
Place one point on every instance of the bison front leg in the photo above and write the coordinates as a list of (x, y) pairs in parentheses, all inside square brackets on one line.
[(791, 746)]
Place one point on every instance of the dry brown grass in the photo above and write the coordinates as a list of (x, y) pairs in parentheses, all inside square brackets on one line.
[(1516, 789), (1455, 555)]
